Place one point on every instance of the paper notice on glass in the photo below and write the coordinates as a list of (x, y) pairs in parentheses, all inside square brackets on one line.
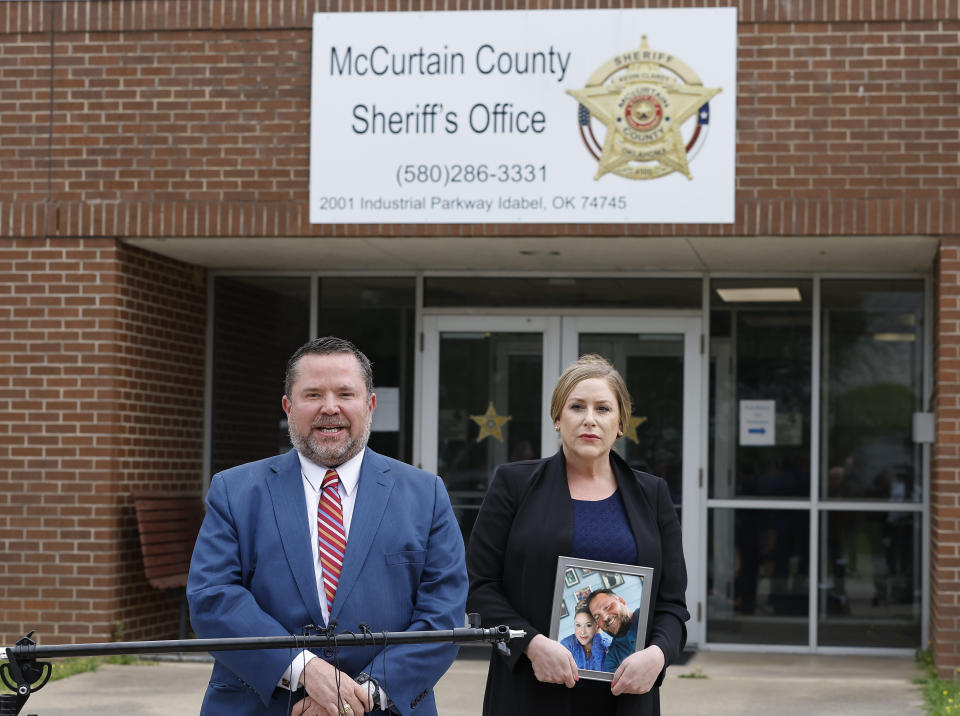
[(758, 422), (386, 418)]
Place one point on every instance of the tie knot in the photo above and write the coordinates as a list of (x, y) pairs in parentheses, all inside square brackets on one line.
[(330, 479)]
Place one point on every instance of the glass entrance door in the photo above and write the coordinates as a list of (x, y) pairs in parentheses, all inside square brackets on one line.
[(659, 358), (486, 388), (487, 383)]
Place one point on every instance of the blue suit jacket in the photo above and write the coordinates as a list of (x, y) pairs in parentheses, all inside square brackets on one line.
[(252, 574)]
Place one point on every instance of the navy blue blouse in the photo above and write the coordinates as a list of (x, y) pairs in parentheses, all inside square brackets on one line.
[(601, 531)]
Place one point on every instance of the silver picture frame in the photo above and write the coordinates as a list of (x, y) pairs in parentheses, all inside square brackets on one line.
[(627, 588)]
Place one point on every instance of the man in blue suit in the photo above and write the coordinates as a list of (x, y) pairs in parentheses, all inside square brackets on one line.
[(262, 563)]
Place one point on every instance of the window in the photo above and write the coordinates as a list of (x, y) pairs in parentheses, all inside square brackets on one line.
[(377, 315), (258, 323), (872, 367)]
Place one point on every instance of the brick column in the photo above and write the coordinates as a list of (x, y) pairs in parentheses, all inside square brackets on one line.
[(101, 392), (945, 473)]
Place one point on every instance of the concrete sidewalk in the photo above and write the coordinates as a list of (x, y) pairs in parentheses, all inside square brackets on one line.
[(735, 684)]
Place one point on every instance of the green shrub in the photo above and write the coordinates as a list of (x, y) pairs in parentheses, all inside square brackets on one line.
[(941, 697)]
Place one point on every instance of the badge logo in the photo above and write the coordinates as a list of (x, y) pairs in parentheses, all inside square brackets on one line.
[(491, 423), (643, 98)]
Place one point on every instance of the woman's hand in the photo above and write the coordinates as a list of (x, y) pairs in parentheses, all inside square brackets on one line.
[(638, 672), (552, 662)]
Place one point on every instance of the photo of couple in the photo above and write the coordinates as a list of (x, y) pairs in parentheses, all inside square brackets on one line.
[(599, 612)]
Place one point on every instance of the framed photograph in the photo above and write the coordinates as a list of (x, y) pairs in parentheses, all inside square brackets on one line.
[(570, 577), (611, 608)]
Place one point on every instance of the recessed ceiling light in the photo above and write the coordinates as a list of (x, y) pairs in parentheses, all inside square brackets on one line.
[(760, 295), (894, 337)]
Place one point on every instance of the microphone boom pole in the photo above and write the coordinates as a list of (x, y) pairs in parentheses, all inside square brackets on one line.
[(24, 674)]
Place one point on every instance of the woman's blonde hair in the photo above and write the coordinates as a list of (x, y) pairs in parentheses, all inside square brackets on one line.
[(591, 366)]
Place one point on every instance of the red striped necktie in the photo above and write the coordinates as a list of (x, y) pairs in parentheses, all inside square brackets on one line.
[(330, 535)]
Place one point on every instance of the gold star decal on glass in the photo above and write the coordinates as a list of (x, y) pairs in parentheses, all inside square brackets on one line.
[(643, 97), (630, 432), (490, 423)]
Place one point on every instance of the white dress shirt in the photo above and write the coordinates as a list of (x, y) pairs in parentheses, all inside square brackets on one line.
[(313, 474)]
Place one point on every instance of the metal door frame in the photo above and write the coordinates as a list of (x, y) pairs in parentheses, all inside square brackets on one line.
[(560, 342), (548, 326), (694, 432)]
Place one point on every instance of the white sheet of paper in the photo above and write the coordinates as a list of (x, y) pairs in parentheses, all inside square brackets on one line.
[(758, 422), (386, 418)]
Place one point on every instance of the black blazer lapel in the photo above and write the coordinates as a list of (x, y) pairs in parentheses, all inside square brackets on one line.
[(556, 504), (542, 529), (641, 512)]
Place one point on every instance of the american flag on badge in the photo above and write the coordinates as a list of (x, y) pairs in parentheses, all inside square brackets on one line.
[(654, 111)]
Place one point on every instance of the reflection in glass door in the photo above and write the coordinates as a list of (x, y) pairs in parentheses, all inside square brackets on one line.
[(486, 401), (658, 360), (489, 398), (652, 366), (489, 410)]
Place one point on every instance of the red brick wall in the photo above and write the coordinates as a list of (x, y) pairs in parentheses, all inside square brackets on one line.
[(945, 488), (101, 392), (191, 117)]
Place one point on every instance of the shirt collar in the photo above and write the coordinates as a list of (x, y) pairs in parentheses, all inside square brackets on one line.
[(349, 472)]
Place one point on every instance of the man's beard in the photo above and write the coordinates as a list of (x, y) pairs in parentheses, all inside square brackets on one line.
[(328, 456), (625, 622)]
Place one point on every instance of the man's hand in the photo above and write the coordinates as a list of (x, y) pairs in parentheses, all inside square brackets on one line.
[(638, 672), (320, 680), (552, 662), (307, 707)]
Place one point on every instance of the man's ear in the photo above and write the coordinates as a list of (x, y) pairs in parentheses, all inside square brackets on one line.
[(286, 404)]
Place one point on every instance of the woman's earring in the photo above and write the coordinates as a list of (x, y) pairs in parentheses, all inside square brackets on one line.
[(619, 433), (557, 428)]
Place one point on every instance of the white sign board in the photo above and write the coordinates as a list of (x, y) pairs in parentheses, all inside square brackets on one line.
[(573, 116), (758, 422)]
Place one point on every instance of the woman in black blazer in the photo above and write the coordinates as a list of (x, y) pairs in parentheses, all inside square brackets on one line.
[(585, 501)]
